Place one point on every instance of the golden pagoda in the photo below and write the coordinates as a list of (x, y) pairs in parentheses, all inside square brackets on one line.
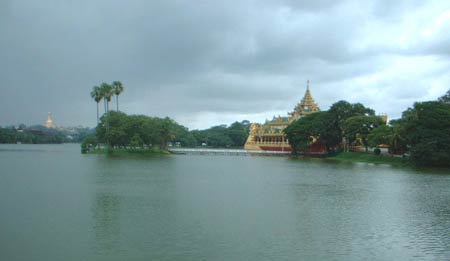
[(306, 106), (270, 136), (49, 123)]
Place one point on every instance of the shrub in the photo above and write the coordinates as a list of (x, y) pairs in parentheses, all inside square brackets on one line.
[(377, 151)]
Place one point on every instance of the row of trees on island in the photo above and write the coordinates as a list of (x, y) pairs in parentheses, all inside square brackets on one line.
[(118, 130), (423, 131), (233, 136)]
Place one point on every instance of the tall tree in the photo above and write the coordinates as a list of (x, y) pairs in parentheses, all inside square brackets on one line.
[(96, 94), (117, 89), (107, 93), (316, 127), (359, 127), (427, 131), (381, 135), (342, 110)]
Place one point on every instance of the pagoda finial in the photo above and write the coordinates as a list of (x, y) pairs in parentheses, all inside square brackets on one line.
[(49, 123), (307, 84)]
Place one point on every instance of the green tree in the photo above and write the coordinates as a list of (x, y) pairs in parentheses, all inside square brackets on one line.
[(111, 129), (136, 141), (427, 131), (342, 110), (381, 135), (238, 133), (107, 93), (359, 127), (131, 130), (97, 95), (183, 136), (222, 136), (397, 142), (88, 142), (315, 127), (7, 135)]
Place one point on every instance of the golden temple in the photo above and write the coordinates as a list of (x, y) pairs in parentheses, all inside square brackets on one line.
[(270, 136), (49, 123)]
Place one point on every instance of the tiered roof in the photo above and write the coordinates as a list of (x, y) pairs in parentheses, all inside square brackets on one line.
[(306, 106)]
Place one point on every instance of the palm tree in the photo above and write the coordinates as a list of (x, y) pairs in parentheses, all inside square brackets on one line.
[(117, 89), (107, 93), (96, 94)]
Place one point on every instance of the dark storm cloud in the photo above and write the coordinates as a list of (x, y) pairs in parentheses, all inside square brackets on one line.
[(206, 61)]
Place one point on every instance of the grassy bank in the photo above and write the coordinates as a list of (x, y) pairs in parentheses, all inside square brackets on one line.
[(370, 158), (121, 151)]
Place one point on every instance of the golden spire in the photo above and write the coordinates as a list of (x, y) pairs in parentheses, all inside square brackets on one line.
[(306, 106), (49, 123)]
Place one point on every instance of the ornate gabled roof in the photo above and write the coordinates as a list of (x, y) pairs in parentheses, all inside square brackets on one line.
[(306, 106)]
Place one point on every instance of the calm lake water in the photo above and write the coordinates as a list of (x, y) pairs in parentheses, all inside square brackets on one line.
[(57, 204)]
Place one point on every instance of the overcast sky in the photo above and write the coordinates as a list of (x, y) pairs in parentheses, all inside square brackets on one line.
[(205, 62)]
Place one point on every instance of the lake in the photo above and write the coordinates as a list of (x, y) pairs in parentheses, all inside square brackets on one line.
[(57, 204)]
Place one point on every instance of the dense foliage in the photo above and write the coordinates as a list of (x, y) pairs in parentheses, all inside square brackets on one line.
[(132, 131), (360, 127), (222, 136), (328, 127), (426, 128), (121, 130), (423, 131), (317, 126)]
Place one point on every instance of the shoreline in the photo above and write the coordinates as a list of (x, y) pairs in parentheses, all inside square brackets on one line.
[(104, 151), (365, 157), (352, 157)]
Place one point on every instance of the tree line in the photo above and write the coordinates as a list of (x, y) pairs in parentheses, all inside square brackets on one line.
[(119, 130), (423, 131), (39, 134), (224, 136)]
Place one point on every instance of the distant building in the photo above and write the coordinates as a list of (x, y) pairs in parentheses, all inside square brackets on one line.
[(49, 123), (270, 135)]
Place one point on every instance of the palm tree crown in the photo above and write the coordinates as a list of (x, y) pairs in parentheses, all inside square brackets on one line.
[(96, 94), (118, 89), (107, 91)]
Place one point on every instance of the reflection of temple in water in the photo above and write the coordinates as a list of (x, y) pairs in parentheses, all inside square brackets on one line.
[(270, 135)]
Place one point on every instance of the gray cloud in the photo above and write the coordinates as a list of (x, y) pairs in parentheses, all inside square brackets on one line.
[(211, 61)]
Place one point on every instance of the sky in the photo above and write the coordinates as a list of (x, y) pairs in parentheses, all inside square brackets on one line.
[(205, 63)]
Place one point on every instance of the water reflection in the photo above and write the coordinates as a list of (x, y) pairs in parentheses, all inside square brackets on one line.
[(254, 208), (425, 202), (107, 227)]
